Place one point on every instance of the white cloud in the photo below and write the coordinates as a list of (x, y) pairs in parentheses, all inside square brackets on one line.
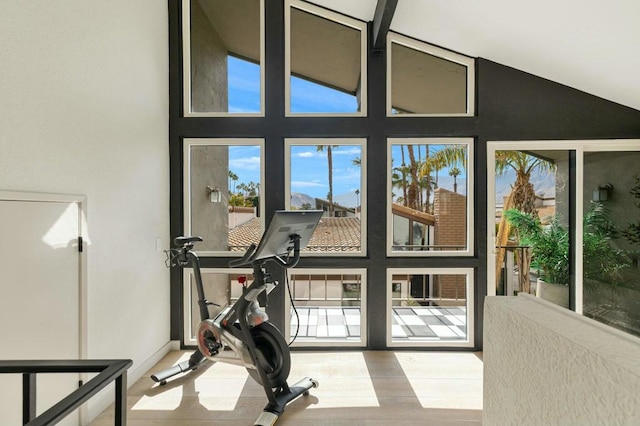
[(347, 151), (306, 154), (306, 184), (252, 163)]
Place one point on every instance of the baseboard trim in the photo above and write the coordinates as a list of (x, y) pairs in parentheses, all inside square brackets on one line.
[(136, 373), (105, 398)]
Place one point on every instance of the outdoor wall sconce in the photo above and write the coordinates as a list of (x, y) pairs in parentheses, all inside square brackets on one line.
[(215, 196), (602, 192)]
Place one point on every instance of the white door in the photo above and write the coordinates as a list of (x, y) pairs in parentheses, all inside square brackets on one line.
[(40, 298)]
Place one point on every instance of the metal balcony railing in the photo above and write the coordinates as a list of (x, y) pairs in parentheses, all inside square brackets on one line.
[(108, 371)]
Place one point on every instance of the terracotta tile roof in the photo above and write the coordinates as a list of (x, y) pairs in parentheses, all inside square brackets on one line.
[(336, 234), (333, 234), (242, 236)]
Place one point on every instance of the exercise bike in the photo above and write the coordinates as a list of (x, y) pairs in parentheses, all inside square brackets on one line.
[(241, 334)]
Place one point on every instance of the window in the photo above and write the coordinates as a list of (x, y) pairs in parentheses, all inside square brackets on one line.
[(429, 307), (430, 197), (586, 196), (329, 307), (611, 238), (426, 80), (223, 192), (223, 51), (325, 62), (532, 184), (327, 174)]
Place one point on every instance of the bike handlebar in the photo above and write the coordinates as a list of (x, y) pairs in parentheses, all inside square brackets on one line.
[(186, 243), (244, 260)]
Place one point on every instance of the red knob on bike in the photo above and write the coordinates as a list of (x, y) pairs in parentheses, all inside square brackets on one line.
[(242, 279)]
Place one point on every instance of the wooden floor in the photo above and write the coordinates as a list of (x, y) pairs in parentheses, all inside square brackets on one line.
[(356, 388)]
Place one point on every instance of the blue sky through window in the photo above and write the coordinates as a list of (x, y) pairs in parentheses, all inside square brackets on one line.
[(309, 97), (309, 168), (244, 85), (310, 171)]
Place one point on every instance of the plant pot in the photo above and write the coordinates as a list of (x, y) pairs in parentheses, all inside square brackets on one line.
[(554, 293)]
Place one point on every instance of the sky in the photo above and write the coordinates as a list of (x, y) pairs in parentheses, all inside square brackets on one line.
[(309, 168)]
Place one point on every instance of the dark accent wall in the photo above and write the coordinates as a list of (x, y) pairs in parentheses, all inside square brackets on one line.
[(514, 105), (511, 105)]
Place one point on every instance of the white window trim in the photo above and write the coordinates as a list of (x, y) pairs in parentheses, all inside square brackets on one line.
[(186, 68), (470, 199), (186, 181), (362, 143), (440, 53), (339, 19), (326, 342), (187, 296), (580, 147), (468, 273)]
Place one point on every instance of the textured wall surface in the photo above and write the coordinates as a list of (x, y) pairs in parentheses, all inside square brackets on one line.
[(544, 365), (85, 110)]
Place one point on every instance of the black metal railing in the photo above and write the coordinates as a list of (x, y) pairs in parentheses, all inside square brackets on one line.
[(108, 371)]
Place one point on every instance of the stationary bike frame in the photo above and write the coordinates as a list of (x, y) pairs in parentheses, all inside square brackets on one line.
[(232, 328)]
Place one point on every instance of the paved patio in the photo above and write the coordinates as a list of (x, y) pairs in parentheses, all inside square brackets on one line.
[(419, 323)]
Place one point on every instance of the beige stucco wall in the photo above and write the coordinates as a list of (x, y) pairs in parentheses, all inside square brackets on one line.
[(208, 65), (545, 365), (209, 167)]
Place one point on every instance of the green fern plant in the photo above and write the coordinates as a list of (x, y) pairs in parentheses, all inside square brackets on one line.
[(550, 246)]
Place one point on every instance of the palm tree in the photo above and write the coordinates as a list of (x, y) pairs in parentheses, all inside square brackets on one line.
[(522, 193), (439, 163), (455, 172), (404, 171), (320, 148), (426, 185), (412, 192), (233, 177), (447, 156), (399, 179), (521, 197)]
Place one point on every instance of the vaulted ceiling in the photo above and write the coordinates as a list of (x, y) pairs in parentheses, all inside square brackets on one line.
[(590, 45)]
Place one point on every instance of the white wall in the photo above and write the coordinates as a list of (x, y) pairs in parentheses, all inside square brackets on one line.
[(545, 365), (84, 110)]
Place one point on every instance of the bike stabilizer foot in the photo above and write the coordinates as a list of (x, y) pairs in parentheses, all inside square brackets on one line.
[(267, 418), (275, 407), (191, 364)]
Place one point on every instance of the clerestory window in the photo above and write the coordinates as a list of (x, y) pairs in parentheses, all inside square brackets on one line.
[(223, 53), (325, 62), (424, 80)]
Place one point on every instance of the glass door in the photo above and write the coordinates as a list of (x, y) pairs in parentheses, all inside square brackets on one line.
[(531, 214), (611, 237), (568, 213)]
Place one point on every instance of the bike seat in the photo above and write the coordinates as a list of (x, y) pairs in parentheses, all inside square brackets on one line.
[(184, 240)]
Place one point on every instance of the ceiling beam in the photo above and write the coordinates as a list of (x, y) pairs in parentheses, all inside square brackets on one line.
[(382, 21)]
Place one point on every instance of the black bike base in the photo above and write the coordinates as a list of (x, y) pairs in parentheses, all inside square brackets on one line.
[(274, 409)]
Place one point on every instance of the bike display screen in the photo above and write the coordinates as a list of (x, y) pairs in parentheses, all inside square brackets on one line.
[(277, 239)]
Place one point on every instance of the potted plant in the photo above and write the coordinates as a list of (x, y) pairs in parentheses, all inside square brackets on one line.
[(549, 244), (549, 253)]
